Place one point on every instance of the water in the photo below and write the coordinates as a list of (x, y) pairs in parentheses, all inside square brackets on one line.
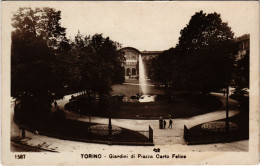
[(143, 84), (147, 98), (142, 77)]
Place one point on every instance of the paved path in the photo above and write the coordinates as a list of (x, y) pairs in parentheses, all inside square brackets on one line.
[(173, 137), (162, 136)]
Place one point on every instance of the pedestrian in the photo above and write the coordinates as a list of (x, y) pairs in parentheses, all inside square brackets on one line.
[(160, 123), (164, 123), (170, 123)]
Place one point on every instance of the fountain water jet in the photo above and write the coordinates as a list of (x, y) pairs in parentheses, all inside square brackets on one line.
[(142, 81), (143, 84)]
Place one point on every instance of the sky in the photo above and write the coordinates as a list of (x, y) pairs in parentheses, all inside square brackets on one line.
[(151, 26)]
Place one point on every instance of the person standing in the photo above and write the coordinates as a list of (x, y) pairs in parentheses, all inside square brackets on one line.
[(160, 123), (170, 123), (164, 124)]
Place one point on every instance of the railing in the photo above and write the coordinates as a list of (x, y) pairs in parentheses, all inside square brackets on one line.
[(150, 134), (186, 134), (147, 133)]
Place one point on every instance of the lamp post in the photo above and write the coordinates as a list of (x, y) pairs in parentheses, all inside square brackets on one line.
[(90, 131), (227, 112), (109, 120)]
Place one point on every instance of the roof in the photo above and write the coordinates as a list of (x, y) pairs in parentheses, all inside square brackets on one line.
[(130, 48), (151, 52), (242, 38), (143, 52)]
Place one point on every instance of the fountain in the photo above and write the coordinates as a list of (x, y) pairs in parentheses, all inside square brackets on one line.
[(142, 81), (143, 84)]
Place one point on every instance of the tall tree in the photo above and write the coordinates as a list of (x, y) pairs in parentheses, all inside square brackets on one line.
[(203, 60), (208, 51), (41, 22), (100, 63), (161, 69), (39, 48)]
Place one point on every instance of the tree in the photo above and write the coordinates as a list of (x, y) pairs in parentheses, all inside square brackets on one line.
[(39, 54), (100, 63), (241, 74), (208, 50), (203, 60), (41, 22), (161, 69)]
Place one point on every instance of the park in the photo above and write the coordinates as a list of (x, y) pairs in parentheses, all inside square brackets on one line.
[(80, 90)]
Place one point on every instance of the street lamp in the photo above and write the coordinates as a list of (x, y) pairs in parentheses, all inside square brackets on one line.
[(227, 119), (90, 131), (109, 120)]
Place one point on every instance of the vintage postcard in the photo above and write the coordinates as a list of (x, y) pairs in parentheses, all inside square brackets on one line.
[(108, 83)]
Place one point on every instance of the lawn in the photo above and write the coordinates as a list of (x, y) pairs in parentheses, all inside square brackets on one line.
[(199, 136), (196, 135), (79, 131)]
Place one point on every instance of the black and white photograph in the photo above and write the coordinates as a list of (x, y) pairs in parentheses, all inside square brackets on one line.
[(130, 82)]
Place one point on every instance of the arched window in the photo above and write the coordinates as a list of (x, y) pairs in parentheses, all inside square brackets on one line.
[(128, 72), (133, 71)]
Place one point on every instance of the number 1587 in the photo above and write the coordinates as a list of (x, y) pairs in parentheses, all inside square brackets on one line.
[(20, 156)]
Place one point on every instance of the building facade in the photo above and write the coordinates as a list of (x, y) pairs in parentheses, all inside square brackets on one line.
[(132, 58), (132, 55), (244, 46)]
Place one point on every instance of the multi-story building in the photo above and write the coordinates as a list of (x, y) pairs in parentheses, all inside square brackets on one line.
[(132, 57)]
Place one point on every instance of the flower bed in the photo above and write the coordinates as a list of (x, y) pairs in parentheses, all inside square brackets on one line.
[(218, 126), (103, 130)]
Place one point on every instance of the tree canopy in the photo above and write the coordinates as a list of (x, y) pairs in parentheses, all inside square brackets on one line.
[(99, 62), (40, 22), (40, 56), (44, 62), (203, 59)]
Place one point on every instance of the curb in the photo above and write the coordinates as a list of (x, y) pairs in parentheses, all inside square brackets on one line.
[(98, 141), (38, 148)]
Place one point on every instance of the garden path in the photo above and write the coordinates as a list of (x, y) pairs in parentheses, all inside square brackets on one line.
[(162, 137)]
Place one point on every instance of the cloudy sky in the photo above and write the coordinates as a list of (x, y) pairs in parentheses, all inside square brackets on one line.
[(146, 25)]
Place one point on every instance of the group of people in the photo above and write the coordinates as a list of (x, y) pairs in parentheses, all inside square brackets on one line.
[(163, 123)]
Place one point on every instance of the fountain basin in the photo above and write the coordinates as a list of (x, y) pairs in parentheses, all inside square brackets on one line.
[(147, 98)]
